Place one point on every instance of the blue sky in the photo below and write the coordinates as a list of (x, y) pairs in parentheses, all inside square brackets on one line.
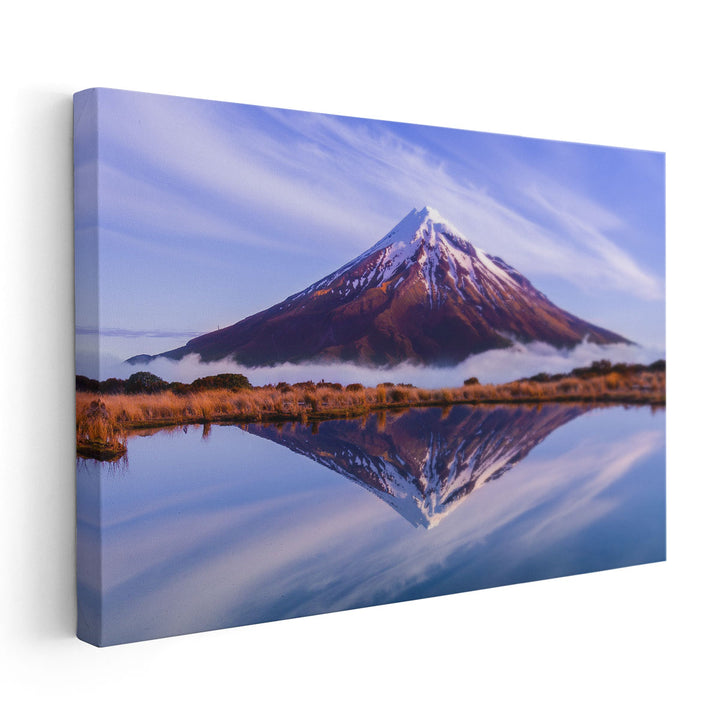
[(212, 211)]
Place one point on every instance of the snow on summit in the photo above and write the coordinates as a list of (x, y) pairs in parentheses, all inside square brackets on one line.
[(424, 237)]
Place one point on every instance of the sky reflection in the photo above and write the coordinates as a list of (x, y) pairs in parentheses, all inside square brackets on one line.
[(234, 529)]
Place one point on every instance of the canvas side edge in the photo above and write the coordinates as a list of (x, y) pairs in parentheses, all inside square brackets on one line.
[(86, 251)]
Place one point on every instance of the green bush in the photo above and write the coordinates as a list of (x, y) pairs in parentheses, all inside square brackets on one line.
[(180, 388), (146, 383), (112, 386), (657, 365), (223, 381), (86, 384)]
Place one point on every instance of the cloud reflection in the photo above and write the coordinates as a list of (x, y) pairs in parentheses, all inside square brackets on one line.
[(183, 555)]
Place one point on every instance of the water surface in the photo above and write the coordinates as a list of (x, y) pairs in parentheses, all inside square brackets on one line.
[(227, 525)]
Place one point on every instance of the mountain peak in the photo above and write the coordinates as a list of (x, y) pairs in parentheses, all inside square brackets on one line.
[(431, 214), (411, 226), (423, 293)]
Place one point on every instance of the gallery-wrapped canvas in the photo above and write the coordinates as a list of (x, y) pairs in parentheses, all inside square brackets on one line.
[(326, 363)]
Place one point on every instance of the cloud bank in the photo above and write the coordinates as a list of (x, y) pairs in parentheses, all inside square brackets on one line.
[(494, 366)]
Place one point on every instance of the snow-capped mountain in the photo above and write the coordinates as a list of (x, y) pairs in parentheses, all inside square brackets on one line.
[(424, 461), (423, 293)]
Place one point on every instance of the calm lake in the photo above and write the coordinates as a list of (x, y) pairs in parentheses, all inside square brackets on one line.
[(205, 528)]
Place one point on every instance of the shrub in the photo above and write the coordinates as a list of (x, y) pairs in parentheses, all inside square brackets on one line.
[(180, 388), (399, 394), (112, 386), (330, 385), (657, 365), (541, 378), (354, 387), (223, 381), (471, 381), (145, 383), (86, 384)]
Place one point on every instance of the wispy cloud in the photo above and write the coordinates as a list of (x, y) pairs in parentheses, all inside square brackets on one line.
[(588, 226), (575, 246), (287, 180), (129, 333), (213, 157)]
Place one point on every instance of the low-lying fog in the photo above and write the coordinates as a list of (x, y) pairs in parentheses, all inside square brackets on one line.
[(494, 366)]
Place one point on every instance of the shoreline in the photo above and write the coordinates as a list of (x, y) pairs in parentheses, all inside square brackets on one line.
[(349, 413), (103, 420), (96, 451)]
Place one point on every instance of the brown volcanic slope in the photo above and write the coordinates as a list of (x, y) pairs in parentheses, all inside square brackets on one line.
[(423, 294)]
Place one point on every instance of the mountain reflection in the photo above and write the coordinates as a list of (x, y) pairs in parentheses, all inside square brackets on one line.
[(424, 461)]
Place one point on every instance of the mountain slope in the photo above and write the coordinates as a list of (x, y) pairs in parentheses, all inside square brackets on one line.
[(423, 293)]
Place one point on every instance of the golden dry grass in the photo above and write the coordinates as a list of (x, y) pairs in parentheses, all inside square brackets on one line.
[(99, 433), (101, 421)]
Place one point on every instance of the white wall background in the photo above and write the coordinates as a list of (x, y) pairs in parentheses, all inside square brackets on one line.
[(638, 642)]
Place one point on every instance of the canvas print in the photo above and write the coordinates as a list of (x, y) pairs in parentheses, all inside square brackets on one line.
[(328, 362)]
